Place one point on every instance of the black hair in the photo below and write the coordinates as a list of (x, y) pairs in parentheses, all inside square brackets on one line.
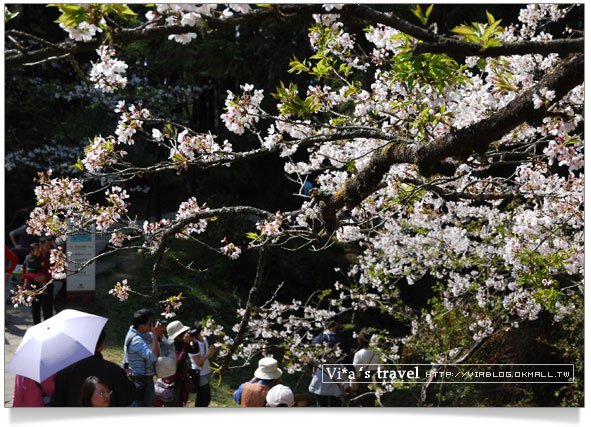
[(141, 316), (33, 246), (88, 388), (329, 324), (364, 337), (197, 326), (101, 339)]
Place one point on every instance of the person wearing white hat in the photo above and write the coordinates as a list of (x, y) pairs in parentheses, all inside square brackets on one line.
[(279, 396), (254, 392), (177, 333)]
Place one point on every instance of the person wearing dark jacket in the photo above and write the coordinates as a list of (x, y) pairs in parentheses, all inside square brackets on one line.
[(68, 381)]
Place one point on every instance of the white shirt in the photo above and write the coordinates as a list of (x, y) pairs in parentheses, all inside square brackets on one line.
[(326, 388), (363, 358), (205, 368)]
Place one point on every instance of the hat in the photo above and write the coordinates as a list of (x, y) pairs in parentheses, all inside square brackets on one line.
[(268, 369), (174, 329), (280, 394), (165, 367)]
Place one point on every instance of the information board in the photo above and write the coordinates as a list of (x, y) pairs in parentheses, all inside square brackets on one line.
[(82, 248)]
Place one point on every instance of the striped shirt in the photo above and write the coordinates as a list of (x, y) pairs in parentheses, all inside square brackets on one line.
[(138, 352)]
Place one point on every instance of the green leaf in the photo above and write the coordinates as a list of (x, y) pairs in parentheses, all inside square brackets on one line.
[(8, 15), (418, 12), (481, 63), (428, 12), (78, 165), (493, 43), (463, 29), (252, 236), (490, 18)]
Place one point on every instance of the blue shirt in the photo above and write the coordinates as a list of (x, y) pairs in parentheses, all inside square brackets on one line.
[(238, 392), (139, 353)]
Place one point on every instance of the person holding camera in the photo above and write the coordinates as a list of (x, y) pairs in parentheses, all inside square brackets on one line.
[(200, 371), (141, 353)]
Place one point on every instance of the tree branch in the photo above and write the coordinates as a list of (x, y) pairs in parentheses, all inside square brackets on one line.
[(459, 144), (462, 48), (434, 43), (250, 304)]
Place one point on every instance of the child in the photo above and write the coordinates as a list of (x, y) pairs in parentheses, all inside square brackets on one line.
[(33, 270)]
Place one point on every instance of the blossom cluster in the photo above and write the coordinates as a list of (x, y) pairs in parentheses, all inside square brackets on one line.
[(85, 30), (107, 74), (106, 216), (230, 249), (191, 15), (130, 121), (170, 305), (186, 210), (242, 111), (191, 147), (121, 290), (23, 295)]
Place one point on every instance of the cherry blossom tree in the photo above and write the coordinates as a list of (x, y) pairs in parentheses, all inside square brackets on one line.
[(455, 157)]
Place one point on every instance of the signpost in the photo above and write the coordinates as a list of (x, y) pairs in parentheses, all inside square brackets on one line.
[(81, 287)]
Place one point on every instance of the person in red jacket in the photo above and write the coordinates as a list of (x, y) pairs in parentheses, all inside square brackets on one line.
[(29, 393)]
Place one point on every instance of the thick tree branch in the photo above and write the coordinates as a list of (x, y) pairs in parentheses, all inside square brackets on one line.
[(475, 347), (435, 43), (459, 144), (391, 20), (126, 36), (461, 48)]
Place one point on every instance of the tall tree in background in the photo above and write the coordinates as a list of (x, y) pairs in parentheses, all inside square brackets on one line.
[(450, 161)]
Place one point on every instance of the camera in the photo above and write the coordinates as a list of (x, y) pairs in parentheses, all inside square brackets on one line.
[(162, 322), (197, 326)]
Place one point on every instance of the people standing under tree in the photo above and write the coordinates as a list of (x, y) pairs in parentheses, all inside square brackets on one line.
[(141, 350), (68, 381), (36, 274), (254, 392), (364, 365), (33, 267), (200, 365), (328, 393), (95, 393)]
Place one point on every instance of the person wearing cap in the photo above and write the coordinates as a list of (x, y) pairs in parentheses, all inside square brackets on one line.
[(280, 396), (254, 392), (200, 354), (177, 333)]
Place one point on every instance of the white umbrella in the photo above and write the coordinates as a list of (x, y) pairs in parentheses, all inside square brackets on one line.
[(56, 343)]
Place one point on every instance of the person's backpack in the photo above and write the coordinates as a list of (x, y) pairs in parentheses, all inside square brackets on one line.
[(166, 363), (164, 391)]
